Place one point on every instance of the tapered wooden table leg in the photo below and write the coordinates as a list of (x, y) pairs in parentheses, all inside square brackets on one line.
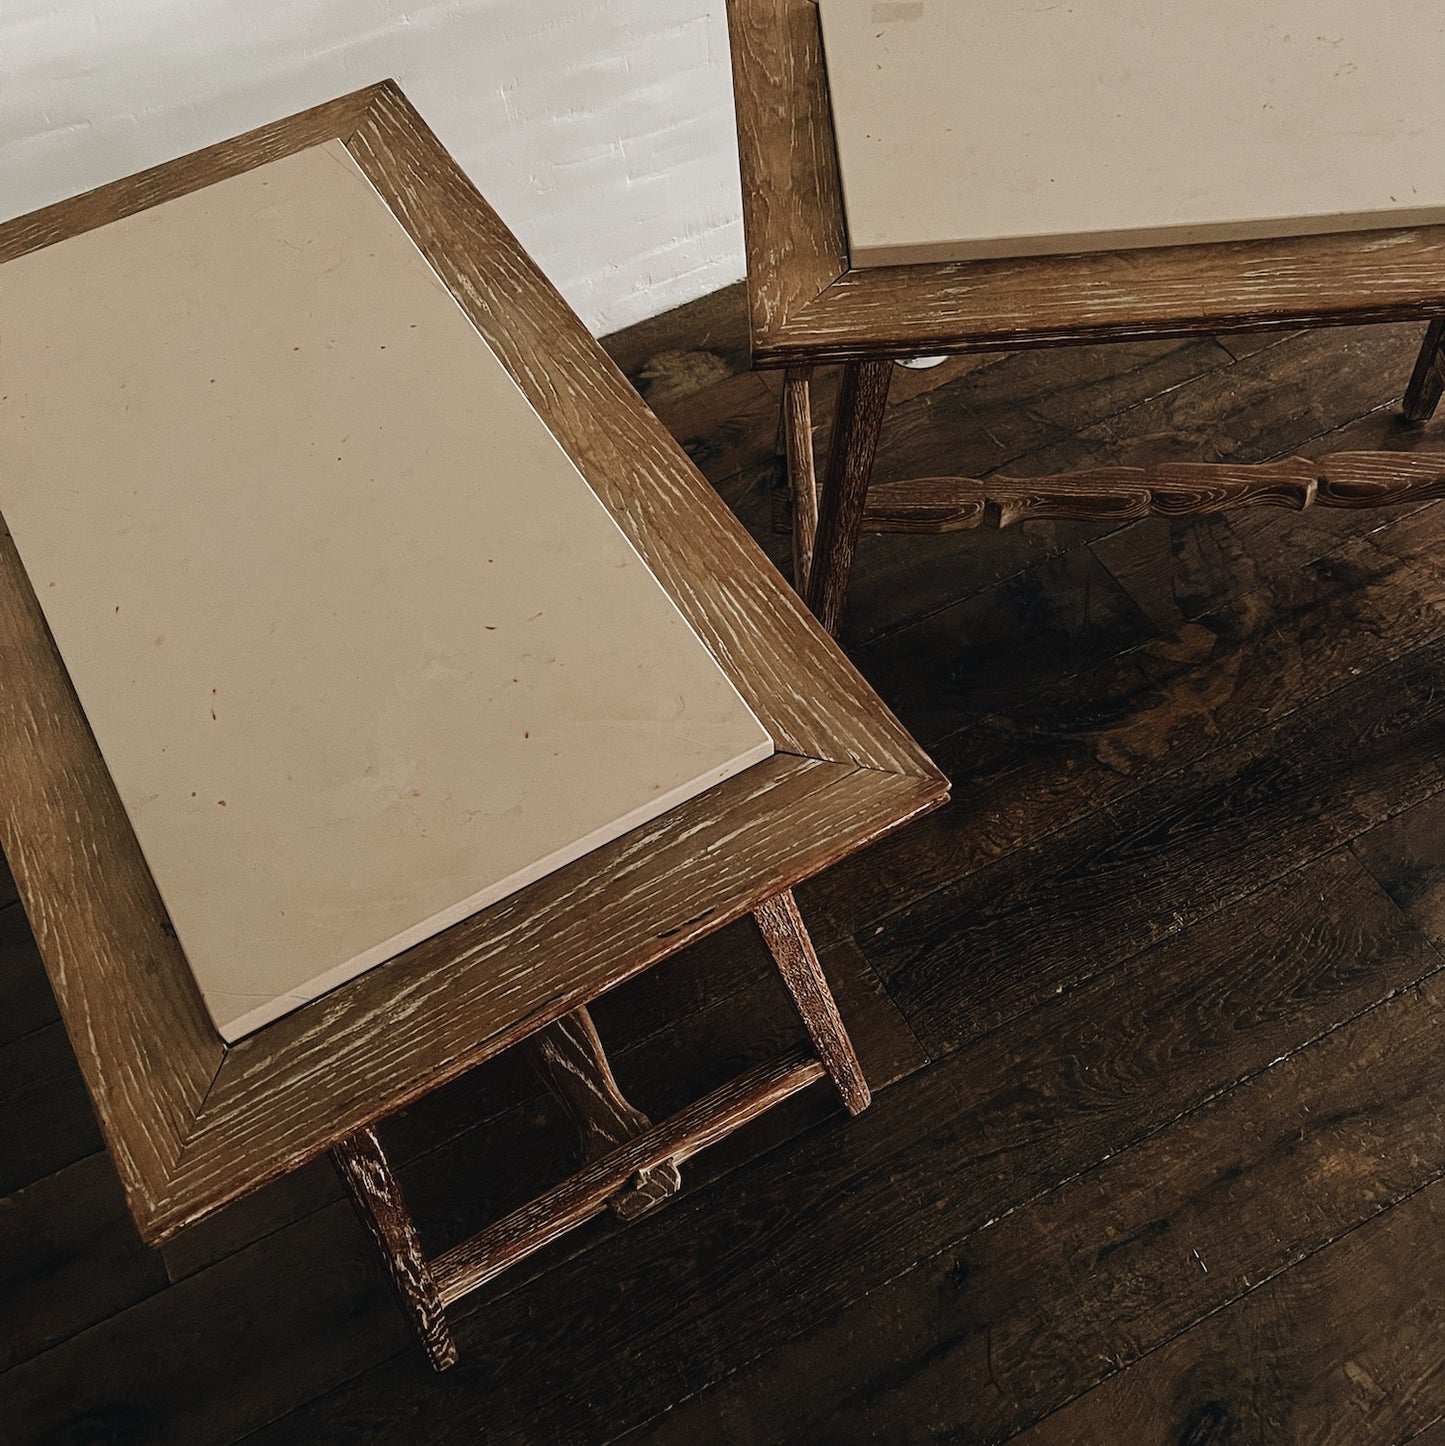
[(786, 936), (376, 1193), (802, 476), (862, 400), (1422, 396), (569, 1058)]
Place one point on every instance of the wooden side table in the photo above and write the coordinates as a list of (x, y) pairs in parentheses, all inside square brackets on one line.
[(194, 1121), (810, 306)]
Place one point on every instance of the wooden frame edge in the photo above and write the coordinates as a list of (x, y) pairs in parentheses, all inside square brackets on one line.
[(793, 216), (801, 315)]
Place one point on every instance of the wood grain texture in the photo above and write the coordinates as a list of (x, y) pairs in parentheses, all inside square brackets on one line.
[(972, 954), (693, 1022), (797, 422), (376, 1193), (1172, 489), (69, 1254), (468, 993), (146, 1047), (1108, 296), (1131, 403), (792, 194), (962, 1143), (472, 1264), (569, 1058), (193, 1127), (1340, 1351), (867, 314), (801, 315), (786, 936), (857, 423), (1407, 856), (1221, 668), (687, 351), (823, 1246), (1427, 381)]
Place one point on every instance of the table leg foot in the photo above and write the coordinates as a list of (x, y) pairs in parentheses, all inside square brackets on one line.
[(786, 936), (569, 1058), (1422, 396), (376, 1193)]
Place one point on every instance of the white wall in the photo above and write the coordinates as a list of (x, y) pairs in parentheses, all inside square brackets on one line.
[(601, 130)]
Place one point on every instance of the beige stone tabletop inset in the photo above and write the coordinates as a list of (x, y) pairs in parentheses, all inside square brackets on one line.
[(361, 649), (989, 128)]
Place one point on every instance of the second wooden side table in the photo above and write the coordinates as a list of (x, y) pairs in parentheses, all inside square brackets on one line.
[(810, 306)]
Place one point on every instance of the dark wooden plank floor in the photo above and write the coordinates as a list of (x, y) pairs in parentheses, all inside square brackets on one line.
[(1159, 997)]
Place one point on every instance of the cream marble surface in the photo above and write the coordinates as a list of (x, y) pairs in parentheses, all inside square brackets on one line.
[(361, 649), (978, 128)]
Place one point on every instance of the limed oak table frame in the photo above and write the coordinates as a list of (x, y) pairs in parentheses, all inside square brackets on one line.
[(808, 306), (192, 1123)]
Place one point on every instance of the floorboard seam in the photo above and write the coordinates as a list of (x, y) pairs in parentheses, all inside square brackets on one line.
[(1151, 1133), (1429, 1183), (1233, 740)]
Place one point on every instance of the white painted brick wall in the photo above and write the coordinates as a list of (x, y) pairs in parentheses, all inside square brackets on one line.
[(601, 130)]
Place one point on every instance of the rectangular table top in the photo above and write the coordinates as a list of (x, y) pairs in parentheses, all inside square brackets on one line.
[(999, 128), (193, 1120), (362, 650)]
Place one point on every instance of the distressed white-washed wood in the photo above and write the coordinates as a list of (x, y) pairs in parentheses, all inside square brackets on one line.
[(1427, 381), (376, 1192), (792, 204), (1341, 479), (786, 935), (1118, 296), (145, 1046), (395, 1034), (78, 214), (476, 1261), (849, 774), (569, 1059), (802, 474), (802, 315)]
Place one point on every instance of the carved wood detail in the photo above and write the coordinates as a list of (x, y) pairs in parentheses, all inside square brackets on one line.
[(486, 1255), (569, 1059), (1178, 489)]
